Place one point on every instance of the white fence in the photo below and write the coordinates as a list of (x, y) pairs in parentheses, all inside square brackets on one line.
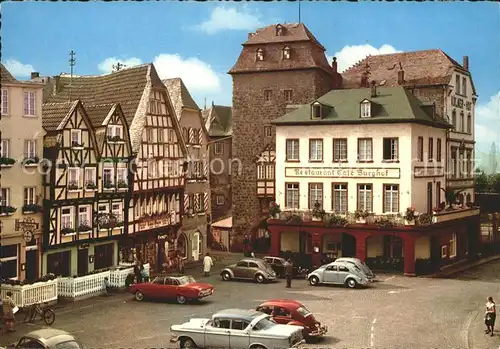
[(38, 292), (118, 276)]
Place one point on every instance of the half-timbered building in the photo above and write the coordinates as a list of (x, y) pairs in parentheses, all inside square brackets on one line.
[(192, 241), (79, 235), (154, 213)]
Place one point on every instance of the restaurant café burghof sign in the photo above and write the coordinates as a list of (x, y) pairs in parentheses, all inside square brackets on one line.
[(332, 172)]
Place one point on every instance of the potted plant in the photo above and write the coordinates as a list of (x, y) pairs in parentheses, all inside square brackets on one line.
[(274, 209), (410, 216), (73, 186), (67, 231), (370, 217), (31, 208), (360, 216), (75, 144), (295, 218), (115, 139), (109, 185), (7, 210), (122, 184), (318, 213), (6, 161), (29, 161), (335, 220), (84, 227), (424, 219), (90, 186), (385, 222)]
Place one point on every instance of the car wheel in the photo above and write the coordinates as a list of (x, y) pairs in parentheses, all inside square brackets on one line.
[(226, 276), (313, 281), (181, 299), (351, 283), (188, 343), (139, 296), (260, 278), (257, 347)]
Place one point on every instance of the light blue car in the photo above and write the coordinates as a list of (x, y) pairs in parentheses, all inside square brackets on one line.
[(338, 273)]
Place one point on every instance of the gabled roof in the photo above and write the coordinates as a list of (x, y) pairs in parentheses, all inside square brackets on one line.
[(218, 121), (393, 104), (99, 112), (292, 32), (428, 67), (6, 76), (53, 115), (179, 95)]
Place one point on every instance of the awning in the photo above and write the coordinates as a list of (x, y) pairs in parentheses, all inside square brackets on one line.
[(226, 223)]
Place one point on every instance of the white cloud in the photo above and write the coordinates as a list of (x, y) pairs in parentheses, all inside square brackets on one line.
[(106, 66), (487, 125), (349, 55), (196, 74), (226, 18), (18, 69)]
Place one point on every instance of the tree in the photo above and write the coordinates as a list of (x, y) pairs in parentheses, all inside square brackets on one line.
[(495, 182), (493, 158), (482, 181)]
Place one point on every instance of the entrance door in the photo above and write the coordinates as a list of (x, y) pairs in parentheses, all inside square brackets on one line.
[(83, 261), (31, 265), (429, 198), (195, 244)]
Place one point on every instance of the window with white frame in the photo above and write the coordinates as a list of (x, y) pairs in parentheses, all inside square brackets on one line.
[(121, 176), (29, 195), (457, 84), (29, 103), (108, 177), (453, 246), (260, 55), (150, 135), (219, 199), (9, 261), (102, 208), (420, 149), (292, 150), (391, 198), (464, 86), (390, 149), (115, 132), (4, 197), (265, 171), (219, 148), (67, 218), (5, 148), (339, 198), (286, 52), (287, 94), (84, 216), (292, 195), (90, 176), (29, 149), (160, 136), (315, 195), (339, 149), (74, 177), (365, 149), (462, 121), (5, 102), (366, 110), (76, 138), (116, 210), (438, 150), (365, 197), (454, 164), (444, 251), (171, 136), (315, 150)]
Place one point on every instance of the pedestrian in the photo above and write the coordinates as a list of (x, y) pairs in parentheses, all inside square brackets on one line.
[(137, 272), (490, 316), (207, 264), (180, 264), (144, 274), (107, 286), (9, 309), (246, 249), (289, 273)]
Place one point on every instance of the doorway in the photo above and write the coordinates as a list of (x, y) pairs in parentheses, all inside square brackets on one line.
[(348, 245), (83, 264), (429, 198), (31, 264)]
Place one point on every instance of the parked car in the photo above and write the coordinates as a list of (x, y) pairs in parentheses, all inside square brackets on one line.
[(291, 312), (249, 269), (47, 338), (182, 289), (359, 263), (278, 265), (238, 329), (338, 273)]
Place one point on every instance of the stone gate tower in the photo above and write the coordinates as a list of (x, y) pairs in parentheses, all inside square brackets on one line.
[(280, 65)]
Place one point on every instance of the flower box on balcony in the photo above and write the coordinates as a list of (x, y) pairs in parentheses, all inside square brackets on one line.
[(68, 231), (360, 216), (90, 187), (31, 161), (73, 188), (122, 185), (7, 210), (31, 208), (6, 161), (108, 186), (115, 139), (84, 229), (76, 145)]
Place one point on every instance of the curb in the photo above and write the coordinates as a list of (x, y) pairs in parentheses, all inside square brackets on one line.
[(462, 268)]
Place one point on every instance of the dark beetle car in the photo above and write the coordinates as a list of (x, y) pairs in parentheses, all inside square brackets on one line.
[(278, 265), (47, 338)]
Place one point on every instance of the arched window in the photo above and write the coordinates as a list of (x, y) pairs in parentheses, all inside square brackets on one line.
[(260, 54), (279, 30), (286, 52)]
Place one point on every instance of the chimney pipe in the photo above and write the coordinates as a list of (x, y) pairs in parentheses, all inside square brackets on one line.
[(401, 77), (334, 65), (373, 92), (466, 63), (35, 75)]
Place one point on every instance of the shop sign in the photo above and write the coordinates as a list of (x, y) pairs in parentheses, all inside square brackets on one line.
[(341, 172), (429, 172)]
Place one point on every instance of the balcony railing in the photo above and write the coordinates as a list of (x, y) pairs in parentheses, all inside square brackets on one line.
[(39, 292)]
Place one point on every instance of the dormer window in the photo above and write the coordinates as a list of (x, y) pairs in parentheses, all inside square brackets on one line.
[(316, 111), (260, 55), (279, 30), (114, 133), (286, 52), (366, 110), (76, 138)]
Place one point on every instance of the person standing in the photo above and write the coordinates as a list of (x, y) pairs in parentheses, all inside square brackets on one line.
[(9, 309), (180, 264), (246, 246), (289, 273), (207, 264), (490, 316)]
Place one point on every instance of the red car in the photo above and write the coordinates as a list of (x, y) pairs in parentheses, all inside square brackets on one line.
[(290, 312), (181, 288)]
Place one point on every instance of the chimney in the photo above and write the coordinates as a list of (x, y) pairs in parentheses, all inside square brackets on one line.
[(401, 77), (334, 65), (466, 63), (373, 92), (35, 75)]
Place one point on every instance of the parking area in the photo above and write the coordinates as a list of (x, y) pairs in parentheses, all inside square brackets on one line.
[(395, 312)]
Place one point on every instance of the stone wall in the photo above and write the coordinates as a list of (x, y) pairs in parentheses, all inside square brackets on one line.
[(220, 179)]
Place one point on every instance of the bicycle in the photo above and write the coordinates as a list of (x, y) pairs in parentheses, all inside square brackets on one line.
[(46, 314)]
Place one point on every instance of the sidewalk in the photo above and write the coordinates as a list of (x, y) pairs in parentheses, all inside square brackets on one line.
[(461, 266)]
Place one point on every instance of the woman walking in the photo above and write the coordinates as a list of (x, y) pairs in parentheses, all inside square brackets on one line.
[(9, 309), (207, 264), (490, 316)]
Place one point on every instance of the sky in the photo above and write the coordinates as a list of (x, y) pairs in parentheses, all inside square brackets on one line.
[(201, 41)]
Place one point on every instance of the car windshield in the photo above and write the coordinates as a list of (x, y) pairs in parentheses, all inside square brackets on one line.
[(185, 280), (303, 311), (68, 345), (264, 324)]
